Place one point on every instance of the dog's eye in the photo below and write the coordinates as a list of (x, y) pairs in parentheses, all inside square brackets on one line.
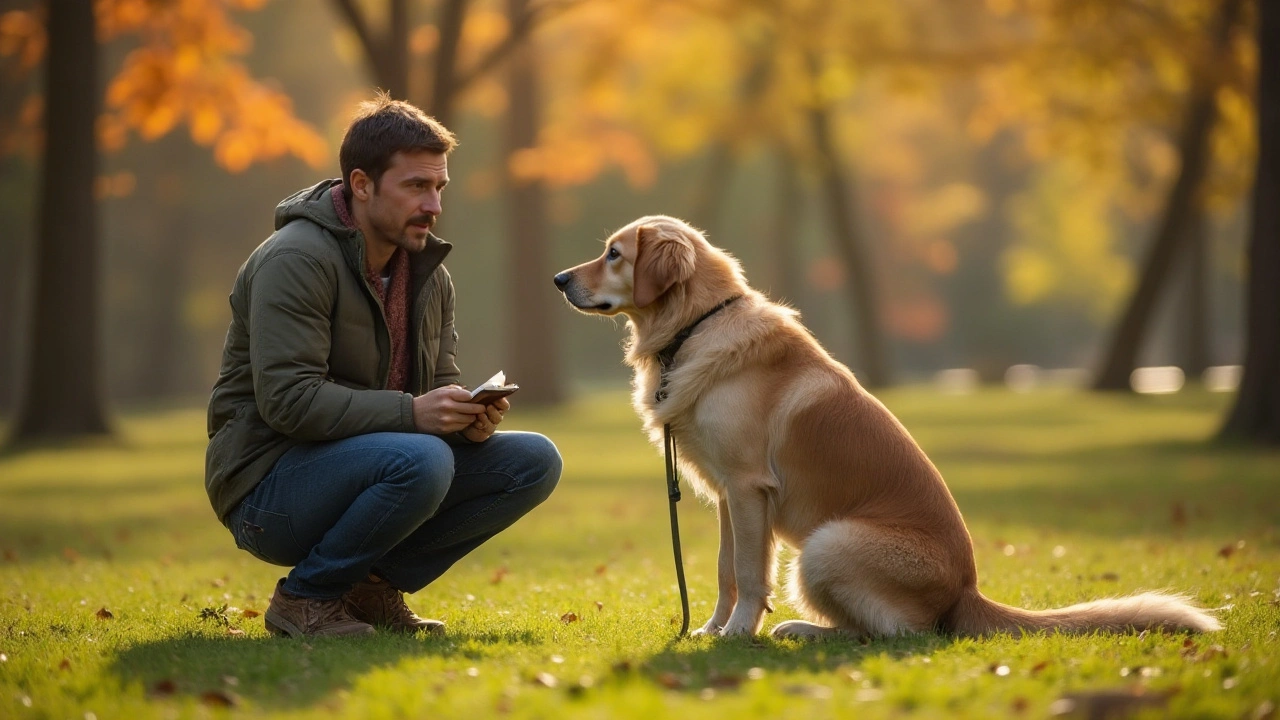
[(612, 254)]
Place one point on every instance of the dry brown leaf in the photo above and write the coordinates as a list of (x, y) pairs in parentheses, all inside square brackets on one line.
[(569, 617), (599, 605), (163, 688), (671, 681), (498, 575), (235, 631), (1019, 705), (65, 664), (1110, 576), (1110, 704), (1038, 667), (1227, 550), (601, 569), (218, 698), (104, 614), (250, 614)]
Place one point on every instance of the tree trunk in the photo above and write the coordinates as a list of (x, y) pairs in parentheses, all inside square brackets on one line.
[(874, 372), (1255, 418), (709, 195), (784, 252), (1191, 324), (1193, 148), (64, 394), (449, 26), (533, 337)]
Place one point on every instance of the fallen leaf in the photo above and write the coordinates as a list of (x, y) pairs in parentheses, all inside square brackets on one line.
[(546, 680), (218, 698), (1110, 704), (1110, 576), (498, 575), (569, 618), (599, 605), (1019, 705), (65, 664), (104, 614), (235, 631), (670, 681), (70, 555), (163, 688), (729, 682), (600, 569), (1227, 550), (1038, 667), (250, 614)]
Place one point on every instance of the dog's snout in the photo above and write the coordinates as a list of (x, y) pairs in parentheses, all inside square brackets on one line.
[(562, 279)]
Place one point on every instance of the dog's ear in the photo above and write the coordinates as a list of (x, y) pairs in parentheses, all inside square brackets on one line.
[(662, 260)]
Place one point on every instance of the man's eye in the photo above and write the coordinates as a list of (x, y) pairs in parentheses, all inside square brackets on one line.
[(612, 254)]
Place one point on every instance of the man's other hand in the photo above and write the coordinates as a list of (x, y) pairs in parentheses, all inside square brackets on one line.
[(486, 423), (444, 410)]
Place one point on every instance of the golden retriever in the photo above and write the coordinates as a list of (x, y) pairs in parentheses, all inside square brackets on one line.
[(791, 448)]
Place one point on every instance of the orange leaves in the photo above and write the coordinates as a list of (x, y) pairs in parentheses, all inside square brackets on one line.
[(571, 156), (22, 36), (185, 73)]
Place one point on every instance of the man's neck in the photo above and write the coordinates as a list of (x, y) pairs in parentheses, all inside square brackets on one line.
[(377, 252)]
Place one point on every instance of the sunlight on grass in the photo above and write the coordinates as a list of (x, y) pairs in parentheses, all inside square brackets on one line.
[(1068, 497)]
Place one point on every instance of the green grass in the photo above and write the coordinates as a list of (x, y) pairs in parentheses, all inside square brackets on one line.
[(1068, 497)]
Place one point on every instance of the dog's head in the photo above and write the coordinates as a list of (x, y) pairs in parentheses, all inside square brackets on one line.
[(641, 263)]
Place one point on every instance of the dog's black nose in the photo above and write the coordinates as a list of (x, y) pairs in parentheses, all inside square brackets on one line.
[(562, 279)]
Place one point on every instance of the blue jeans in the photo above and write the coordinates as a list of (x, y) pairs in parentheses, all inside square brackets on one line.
[(403, 506)]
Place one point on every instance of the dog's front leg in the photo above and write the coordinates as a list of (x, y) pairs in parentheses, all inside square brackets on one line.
[(752, 559), (727, 583)]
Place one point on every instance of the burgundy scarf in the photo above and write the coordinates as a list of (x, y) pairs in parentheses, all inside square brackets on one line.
[(395, 300)]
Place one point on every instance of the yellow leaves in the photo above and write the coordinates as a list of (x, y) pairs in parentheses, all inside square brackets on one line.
[(1066, 244)]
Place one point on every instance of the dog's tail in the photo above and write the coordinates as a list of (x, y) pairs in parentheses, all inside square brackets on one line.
[(977, 615)]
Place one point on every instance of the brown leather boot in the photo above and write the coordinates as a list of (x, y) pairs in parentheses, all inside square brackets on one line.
[(374, 601), (309, 617)]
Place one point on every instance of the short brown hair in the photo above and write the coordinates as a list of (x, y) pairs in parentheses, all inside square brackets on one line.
[(383, 127)]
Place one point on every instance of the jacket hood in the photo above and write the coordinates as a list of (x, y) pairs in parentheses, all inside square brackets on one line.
[(314, 204)]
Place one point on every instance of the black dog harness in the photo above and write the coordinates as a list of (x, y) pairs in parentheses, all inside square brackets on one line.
[(666, 359)]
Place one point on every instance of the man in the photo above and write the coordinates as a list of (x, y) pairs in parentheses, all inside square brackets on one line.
[(341, 442)]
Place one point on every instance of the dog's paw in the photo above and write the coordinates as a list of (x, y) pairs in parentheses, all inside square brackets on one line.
[(711, 629), (737, 626), (801, 630)]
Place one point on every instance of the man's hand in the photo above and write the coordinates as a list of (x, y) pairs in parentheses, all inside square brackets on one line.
[(486, 423), (444, 410)]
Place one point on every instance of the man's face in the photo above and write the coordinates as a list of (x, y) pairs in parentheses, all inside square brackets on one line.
[(404, 205)]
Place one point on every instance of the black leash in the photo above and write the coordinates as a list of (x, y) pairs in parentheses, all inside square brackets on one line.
[(666, 358)]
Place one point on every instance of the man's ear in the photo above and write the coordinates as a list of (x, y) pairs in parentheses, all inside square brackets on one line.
[(662, 260), (361, 184)]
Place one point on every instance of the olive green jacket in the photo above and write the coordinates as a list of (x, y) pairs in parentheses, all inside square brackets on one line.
[(308, 353)]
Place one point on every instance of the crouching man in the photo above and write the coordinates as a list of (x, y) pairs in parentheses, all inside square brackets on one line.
[(341, 442)]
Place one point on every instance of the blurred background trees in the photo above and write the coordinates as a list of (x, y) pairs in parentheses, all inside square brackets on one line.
[(934, 184)]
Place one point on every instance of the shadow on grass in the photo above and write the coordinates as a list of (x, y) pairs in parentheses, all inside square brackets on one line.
[(693, 664), (280, 673)]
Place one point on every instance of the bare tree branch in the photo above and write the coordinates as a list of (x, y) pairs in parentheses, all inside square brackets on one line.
[(357, 21), (520, 30)]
